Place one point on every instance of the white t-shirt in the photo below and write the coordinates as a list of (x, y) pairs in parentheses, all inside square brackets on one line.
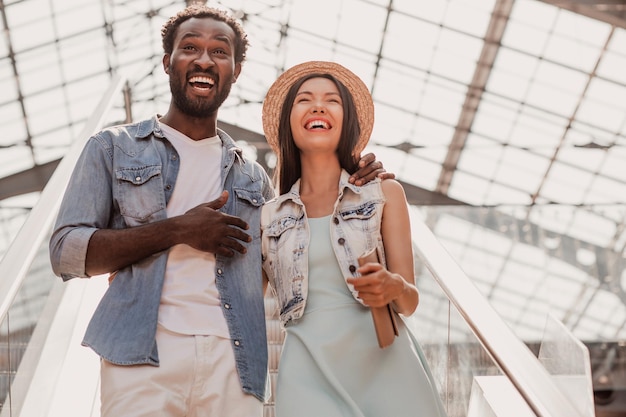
[(190, 302)]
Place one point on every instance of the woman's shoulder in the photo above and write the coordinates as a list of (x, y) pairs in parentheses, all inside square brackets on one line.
[(392, 189)]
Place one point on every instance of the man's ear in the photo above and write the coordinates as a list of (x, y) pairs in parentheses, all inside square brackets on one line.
[(237, 72), (166, 63)]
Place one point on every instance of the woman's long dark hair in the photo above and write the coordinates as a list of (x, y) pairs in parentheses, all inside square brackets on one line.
[(288, 167)]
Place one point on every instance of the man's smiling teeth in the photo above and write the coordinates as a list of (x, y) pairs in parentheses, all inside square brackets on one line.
[(315, 124), (202, 80)]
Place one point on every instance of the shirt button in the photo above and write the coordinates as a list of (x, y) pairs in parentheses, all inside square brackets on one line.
[(174, 157), (137, 179), (254, 200), (227, 306), (336, 220), (352, 268), (219, 271), (341, 241), (237, 343), (168, 187)]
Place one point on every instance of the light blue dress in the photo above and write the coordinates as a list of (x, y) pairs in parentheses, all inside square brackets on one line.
[(331, 364)]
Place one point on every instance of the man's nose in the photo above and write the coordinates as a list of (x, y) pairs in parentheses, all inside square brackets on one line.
[(204, 60)]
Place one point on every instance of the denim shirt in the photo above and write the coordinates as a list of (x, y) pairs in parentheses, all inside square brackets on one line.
[(355, 228), (124, 178)]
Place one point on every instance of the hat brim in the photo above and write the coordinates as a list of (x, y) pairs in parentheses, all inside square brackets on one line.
[(273, 103)]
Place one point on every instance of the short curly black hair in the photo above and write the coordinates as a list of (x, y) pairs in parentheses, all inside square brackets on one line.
[(168, 31)]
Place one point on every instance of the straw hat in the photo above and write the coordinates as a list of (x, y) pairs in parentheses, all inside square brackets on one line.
[(273, 103)]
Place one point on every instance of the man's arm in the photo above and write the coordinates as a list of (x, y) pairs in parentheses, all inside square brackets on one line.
[(369, 168), (203, 228)]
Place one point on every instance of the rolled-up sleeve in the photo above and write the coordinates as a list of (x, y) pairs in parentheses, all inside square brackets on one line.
[(85, 208), (68, 251)]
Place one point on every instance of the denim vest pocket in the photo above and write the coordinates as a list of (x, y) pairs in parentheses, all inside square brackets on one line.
[(277, 227), (139, 192), (361, 217)]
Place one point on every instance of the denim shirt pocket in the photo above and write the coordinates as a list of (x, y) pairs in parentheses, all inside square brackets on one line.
[(361, 217), (248, 202), (286, 274), (139, 192)]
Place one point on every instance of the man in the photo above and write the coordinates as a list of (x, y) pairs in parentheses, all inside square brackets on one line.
[(171, 209)]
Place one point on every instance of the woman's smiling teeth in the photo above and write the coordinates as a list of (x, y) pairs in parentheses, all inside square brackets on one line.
[(202, 82), (317, 124)]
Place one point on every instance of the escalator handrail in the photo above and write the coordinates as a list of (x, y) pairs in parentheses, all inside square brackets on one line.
[(510, 354), (20, 254)]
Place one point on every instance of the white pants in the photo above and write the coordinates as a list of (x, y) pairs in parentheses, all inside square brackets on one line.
[(197, 378)]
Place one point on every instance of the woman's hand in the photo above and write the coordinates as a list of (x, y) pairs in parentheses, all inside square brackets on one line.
[(378, 287)]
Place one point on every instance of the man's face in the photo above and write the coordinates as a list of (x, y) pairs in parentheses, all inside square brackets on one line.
[(201, 66)]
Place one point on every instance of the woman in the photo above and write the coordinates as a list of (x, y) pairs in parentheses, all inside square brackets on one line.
[(318, 117)]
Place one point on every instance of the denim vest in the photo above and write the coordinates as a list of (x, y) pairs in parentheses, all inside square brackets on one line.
[(124, 178), (354, 228)]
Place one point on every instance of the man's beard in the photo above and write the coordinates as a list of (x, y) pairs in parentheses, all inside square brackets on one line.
[(196, 107)]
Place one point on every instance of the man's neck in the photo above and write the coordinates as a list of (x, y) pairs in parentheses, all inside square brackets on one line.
[(193, 127)]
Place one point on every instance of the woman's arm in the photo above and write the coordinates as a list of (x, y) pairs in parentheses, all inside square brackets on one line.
[(378, 286), (396, 233)]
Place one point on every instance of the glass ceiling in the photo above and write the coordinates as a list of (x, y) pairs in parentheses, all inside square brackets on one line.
[(515, 104)]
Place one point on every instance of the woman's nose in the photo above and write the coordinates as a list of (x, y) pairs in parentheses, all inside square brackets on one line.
[(318, 109)]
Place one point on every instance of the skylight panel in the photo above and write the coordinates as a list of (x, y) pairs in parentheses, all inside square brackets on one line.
[(39, 71), (613, 63), (352, 32), (607, 190), (418, 169), (406, 33), (321, 18), (82, 17), (600, 107), (30, 34), (15, 158), (468, 16), (7, 86), (28, 14), (614, 164), (13, 127), (455, 56)]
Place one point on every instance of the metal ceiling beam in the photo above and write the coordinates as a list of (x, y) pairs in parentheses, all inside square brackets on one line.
[(612, 12), (28, 181), (493, 37)]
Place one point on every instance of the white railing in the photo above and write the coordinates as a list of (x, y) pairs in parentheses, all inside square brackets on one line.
[(509, 353), (14, 269)]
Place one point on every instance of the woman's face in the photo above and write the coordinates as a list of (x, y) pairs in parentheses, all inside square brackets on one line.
[(317, 116)]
